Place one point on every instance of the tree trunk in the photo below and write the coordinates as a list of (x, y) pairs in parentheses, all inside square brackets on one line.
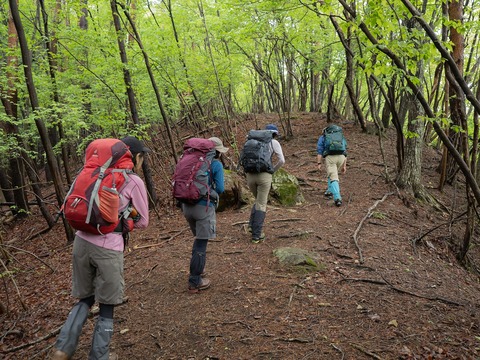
[(168, 6), (209, 48), (410, 175), (27, 68), (50, 44), (6, 186), (131, 99), (349, 77), (13, 189), (18, 185), (166, 120)]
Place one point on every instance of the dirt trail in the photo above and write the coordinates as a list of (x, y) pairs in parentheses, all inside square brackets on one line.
[(407, 300)]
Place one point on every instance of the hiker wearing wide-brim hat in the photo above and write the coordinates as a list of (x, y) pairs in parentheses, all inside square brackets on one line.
[(218, 145), (201, 215)]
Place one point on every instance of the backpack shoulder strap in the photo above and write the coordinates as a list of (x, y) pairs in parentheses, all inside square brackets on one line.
[(101, 175)]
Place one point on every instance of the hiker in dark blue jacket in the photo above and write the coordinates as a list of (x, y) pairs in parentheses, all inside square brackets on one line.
[(201, 218), (334, 160)]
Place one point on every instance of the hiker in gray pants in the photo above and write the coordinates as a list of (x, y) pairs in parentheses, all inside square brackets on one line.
[(98, 268), (201, 218)]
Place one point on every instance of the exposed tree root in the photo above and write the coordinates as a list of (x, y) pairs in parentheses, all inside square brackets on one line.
[(357, 230), (23, 346), (384, 282)]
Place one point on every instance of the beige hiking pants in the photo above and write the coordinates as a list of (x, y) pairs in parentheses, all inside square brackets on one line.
[(259, 185), (332, 164)]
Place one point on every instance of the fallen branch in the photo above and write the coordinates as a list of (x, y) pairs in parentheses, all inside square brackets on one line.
[(299, 340), (237, 322), (384, 282), (366, 352), (166, 240), (145, 278), (240, 223), (300, 285), (450, 222), (41, 232), (291, 219), (15, 285), (369, 213), (23, 346), (346, 206), (136, 247), (301, 233), (29, 253), (339, 350)]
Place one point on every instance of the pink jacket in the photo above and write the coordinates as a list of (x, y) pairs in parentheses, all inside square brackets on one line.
[(133, 192)]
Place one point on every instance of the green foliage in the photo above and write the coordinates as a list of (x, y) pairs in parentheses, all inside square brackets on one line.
[(212, 53)]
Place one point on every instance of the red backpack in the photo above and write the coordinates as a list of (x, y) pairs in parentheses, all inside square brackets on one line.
[(190, 180), (93, 201)]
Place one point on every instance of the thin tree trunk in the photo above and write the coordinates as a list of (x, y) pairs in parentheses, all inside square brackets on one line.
[(31, 170), (6, 186), (27, 68), (50, 45), (13, 189), (209, 47), (349, 74), (166, 120), (131, 99), (376, 119), (168, 5)]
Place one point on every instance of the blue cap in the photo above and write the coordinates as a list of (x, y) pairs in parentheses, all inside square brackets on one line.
[(272, 127)]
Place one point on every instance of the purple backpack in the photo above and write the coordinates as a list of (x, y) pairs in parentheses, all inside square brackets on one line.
[(191, 177)]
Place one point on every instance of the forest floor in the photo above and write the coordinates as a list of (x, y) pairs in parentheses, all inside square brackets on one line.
[(397, 293)]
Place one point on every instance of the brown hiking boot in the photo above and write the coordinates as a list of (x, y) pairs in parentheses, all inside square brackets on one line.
[(204, 284), (59, 355)]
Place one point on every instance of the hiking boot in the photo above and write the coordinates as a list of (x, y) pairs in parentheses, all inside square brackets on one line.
[(338, 202), (328, 194), (60, 355), (249, 229), (259, 239), (204, 284)]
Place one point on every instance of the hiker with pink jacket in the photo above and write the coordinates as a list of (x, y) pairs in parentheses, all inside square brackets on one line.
[(97, 258)]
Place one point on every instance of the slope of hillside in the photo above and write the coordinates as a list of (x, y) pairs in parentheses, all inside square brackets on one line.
[(390, 289)]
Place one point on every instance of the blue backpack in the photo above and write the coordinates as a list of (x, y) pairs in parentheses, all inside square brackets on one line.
[(335, 143)]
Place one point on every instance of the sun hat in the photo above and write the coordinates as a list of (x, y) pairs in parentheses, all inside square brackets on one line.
[(218, 144), (272, 127), (135, 145)]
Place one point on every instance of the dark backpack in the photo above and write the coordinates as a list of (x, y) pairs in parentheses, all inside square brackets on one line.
[(191, 178), (335, 143), (256, 155), (93, 201)]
